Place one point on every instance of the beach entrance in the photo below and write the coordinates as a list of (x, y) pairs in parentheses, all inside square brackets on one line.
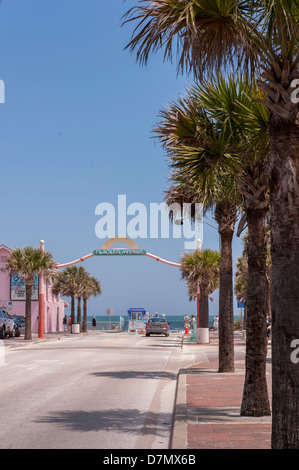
[(127, 247)]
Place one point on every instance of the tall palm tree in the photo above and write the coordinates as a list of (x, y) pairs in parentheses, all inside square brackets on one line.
[(91, 288), (260, 37), (29, 262), (201, 267), (76, 282), (185, 129), (82, 279), (227, 101), (232, 119), (65, 283)]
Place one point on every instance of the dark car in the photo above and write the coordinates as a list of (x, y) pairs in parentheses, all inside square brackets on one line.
[(157, 326)]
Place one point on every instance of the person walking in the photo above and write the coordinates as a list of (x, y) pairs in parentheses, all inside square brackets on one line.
[(215, 323), (187, 321), (193, 323), (65, 323), (94, 323)]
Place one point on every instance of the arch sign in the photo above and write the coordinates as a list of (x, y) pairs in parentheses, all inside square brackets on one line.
[(109, 250)]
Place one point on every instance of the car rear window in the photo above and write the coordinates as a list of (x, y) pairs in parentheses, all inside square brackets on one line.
[(158, 320)]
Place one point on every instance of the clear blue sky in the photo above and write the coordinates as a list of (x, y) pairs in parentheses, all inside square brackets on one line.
[(76, 130)]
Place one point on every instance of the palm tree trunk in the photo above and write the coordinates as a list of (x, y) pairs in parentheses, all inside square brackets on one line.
[(204, 308), (84, 315), (72, 309), (284, 222), (255, 393), (79, 311), (226, 311), (28, 328)]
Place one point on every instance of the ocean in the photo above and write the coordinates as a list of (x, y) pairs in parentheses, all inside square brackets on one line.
[(104, 322)]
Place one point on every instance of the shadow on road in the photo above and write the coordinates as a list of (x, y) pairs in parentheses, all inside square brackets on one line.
[(133, 374), (130, 421)]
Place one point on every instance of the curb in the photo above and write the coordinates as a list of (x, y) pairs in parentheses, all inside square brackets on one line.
[(178, 437)]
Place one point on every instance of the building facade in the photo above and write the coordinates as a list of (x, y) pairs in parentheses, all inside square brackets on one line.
[(12, 298)]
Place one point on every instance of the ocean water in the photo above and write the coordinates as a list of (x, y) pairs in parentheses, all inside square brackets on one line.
[(104, 322)]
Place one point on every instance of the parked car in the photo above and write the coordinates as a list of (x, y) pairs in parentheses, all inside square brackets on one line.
[(157, 326), (19, 321), (7, 325)]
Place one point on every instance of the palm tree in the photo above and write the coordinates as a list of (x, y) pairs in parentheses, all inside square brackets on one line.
[(82, 279), (196, 148), (92, 287), (76, 282), (29, 262), (227, 101), (260, 37), (231, 119), (65, 283), (201, 267)]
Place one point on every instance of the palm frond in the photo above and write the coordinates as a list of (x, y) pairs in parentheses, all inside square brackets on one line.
[(204, 34)]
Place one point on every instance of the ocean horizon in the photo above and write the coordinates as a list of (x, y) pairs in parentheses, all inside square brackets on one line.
[(104, 322)]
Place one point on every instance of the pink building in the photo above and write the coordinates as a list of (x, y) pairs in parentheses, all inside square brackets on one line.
[(12, 298)]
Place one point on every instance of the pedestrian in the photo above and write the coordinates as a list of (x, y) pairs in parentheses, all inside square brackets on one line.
[(187, 321), (69, 323), (268, 333), (65, 323), (94, 323), (193, 323), (215, 323)]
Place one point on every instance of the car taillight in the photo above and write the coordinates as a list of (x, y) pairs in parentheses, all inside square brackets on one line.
[(147, 325), (164, 326)]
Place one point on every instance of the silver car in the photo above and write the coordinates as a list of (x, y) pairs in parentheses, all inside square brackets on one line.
[(157, 326), (7, 325)]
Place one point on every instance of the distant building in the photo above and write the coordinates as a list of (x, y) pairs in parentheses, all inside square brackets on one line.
[(12, 298)]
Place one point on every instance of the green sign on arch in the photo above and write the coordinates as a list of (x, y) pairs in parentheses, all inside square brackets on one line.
[(119, 252)]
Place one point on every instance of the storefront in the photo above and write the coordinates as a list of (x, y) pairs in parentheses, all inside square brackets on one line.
[(12, 298)]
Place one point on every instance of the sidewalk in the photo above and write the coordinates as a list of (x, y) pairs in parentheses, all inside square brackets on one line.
[(207, 409), (57, 336), (20, 341)]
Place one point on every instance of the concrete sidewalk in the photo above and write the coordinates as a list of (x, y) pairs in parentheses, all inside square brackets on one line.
[(207, 409), (58, 336)]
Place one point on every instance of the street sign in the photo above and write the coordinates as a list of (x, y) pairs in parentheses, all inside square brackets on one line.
[(241, 304)]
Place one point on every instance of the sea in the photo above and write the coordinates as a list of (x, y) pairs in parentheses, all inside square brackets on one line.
[(104, 322)]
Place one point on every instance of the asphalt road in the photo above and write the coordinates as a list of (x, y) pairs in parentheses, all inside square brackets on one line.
[(94, 391)]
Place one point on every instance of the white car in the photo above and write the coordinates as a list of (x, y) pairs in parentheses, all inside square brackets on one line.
[(7, 325)]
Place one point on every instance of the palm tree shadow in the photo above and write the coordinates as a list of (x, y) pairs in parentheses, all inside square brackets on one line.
[(129, 421), (132, 374)]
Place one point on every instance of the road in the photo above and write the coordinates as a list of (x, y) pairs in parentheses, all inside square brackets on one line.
[(90, 391)]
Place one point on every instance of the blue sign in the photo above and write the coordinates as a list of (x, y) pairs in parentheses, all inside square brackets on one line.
[(241, 304), (18, 288)]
